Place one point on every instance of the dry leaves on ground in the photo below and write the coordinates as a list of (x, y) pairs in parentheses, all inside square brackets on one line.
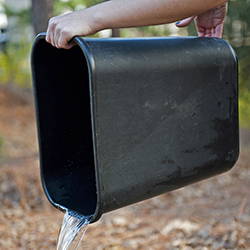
[(212, 214)]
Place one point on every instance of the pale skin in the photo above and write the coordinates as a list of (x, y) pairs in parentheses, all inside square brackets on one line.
[(209, 16), (208, 23)]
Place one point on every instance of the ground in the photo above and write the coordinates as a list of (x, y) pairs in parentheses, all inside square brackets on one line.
[(212, 214)]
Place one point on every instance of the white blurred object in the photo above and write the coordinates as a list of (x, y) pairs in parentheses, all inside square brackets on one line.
[(3, 18), (17, 5), (105, 33)]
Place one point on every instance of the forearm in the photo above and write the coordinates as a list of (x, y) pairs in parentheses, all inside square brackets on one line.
[(122, 14), (135, 13)]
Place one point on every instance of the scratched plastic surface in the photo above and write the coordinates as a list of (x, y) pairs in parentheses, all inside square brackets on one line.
[(123, 120)]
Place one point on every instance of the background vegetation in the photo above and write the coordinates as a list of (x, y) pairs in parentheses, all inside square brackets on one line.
[(216, 212), (19, 34)]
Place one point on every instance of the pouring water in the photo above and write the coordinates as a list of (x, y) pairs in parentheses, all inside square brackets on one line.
[(72, 230)]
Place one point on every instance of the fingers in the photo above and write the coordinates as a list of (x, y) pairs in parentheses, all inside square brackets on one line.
[(58, 34), (214, 32), (185, 22), (66, 45), (51, 35), (208, 23), (205, 32), (209, 32), (201, 32), (218, 30)]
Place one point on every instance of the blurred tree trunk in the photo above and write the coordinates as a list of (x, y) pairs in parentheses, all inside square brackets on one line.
[(42, 11), (115, 33)]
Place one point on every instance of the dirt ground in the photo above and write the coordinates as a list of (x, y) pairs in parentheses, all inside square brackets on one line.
[(212, 214)]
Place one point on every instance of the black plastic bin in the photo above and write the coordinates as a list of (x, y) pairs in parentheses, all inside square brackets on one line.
[(123, 120)]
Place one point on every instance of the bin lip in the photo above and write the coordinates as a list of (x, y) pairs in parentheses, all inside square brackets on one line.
[(91, 71)]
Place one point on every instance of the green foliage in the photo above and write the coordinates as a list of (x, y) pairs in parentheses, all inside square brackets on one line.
[(15, 64), (237, 32), (24, 16), (15, 55), (148, 31), (244, 87), (61, 6)]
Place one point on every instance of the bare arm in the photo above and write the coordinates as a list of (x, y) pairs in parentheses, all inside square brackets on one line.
[(122, 14), (208, 23)]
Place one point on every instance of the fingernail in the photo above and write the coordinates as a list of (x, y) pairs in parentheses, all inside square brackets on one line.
[(177, 23)]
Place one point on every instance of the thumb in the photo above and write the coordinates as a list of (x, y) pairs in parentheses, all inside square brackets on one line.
[(185, 22)]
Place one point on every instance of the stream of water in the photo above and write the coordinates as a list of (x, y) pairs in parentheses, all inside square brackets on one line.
[(72, 230)]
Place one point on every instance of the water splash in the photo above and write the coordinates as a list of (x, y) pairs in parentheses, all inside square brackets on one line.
[(72, 230)]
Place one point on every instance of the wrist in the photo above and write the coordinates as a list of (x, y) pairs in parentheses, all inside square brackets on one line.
[(96, 18)]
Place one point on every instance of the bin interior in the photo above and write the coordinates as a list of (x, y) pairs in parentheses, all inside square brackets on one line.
[(62, 98)]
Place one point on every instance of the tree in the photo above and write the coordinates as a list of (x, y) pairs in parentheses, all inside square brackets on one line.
[(42, 11)]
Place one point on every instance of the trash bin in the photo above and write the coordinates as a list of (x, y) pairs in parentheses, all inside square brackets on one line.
[(123, 120)]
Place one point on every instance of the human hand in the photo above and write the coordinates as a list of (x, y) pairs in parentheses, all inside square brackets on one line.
[(124, 14), (63, 28), (208, 23)]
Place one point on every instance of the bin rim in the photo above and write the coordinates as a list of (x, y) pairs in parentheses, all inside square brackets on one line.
[(91, 73)]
